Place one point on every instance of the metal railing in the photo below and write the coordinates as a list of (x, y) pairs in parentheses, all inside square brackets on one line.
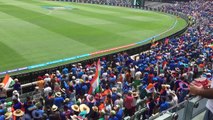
[(186, 110)]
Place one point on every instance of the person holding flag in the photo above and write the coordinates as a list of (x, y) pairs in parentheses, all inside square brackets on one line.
[(95, 83)]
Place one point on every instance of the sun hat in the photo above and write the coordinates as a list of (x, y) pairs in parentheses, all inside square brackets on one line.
[(161, 75), (47, 75), (54, 108), (63, 90), (66, 100), (135, 94), (119, 94), (8, 115), (90, 99), (75, 108), (116, 107), (36, 87), (58, 94), (166, 86), (112, 112), (16, 80), (18, 113), (73, 77), (81, 81), (84, 107), (114, 89), (15, 92), (95, 108)]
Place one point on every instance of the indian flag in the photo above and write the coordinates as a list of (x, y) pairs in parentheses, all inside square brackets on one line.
[(8, 81), (95, 88)]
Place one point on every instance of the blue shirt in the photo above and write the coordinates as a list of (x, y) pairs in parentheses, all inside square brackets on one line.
[(119, 114), (113, 118), (65, 71), (58, 101), (164, 106), (2, 117)]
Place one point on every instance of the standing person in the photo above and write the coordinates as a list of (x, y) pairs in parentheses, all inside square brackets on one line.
[(40, 84), (128, 101), (206, 93), (3, 92), (55, 114), (18, 114), (17, 85)]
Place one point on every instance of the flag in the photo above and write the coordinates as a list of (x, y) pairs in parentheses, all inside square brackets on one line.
[(94, 84), (8, 81), (154, 44)]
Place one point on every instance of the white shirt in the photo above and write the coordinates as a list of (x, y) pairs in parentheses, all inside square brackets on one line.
[(138, 75), (46, 80), (209, 104), (47, 90)]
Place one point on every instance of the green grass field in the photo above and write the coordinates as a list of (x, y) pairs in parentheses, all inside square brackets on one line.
[(31, 33)]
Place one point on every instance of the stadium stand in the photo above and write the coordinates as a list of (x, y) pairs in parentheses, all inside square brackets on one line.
[(128, 87)]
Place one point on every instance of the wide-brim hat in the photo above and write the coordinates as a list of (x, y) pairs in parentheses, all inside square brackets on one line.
[(112, 112), (95, 108), (81, 81), (135, 94), (18, 113), (114, 89), (63, 90), (8, 115), (90, 99), (119, 94), (67, 100), (161, 75), (58, 94), (15, 92), (54, 108), (116, 107), (84, 107), (1, 85), (16, 80), (75, 108), (165, 86)]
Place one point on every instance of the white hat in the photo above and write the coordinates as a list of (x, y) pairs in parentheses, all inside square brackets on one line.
[(73, 77), (16, 80), (47, 75), (58, 94), (15, 92), (54, 108)]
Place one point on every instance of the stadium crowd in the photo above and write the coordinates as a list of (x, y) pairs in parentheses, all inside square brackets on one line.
[(160, 77)]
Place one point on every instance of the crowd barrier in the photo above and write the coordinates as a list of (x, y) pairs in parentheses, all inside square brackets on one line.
[(28, 78), (186, 110)]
